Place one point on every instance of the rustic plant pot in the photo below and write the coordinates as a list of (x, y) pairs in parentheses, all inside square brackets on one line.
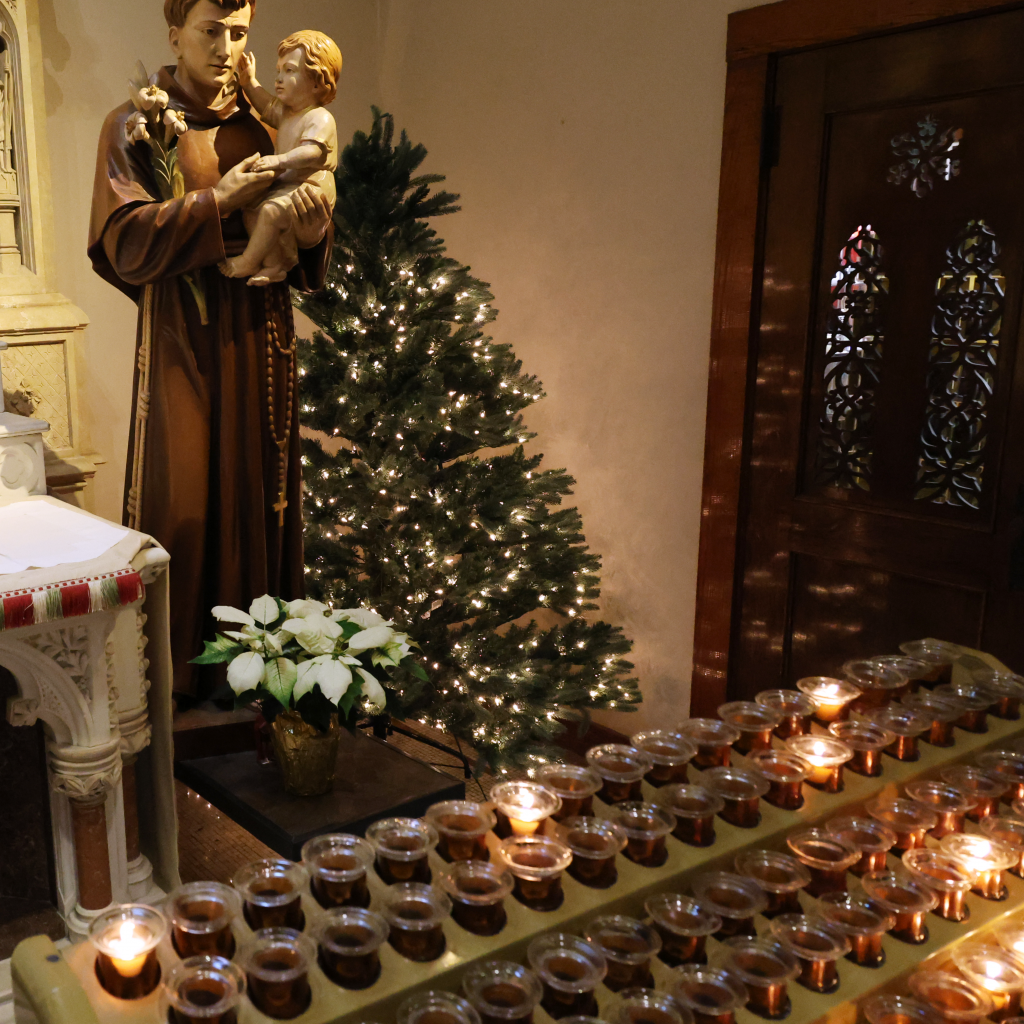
[(305, 755)]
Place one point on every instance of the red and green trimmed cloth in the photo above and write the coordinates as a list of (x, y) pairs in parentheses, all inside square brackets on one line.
[(68, 598)]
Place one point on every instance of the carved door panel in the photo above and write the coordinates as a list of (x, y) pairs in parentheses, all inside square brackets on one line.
[(885, 483)]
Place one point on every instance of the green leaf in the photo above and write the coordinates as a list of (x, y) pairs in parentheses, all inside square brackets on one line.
[(349, 697), (280, 679), (410, 665), (216, 652), (349, 629)]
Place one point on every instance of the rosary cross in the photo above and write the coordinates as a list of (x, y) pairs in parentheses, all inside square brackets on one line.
[(279, 506)]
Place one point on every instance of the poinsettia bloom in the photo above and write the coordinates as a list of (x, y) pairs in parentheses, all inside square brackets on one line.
[(136, 127), (362, 617), (331, 675), (245, 672), (175, 122), (261, 640), (225, 613), (375, 636), (152, 97), (264, 609), (303, 607), (373, 692), (314, 633)]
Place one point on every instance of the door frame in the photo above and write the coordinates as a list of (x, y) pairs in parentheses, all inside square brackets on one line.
[(756, 38)]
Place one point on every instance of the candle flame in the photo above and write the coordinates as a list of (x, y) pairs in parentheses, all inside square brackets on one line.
[(128, 950), (819, 748)]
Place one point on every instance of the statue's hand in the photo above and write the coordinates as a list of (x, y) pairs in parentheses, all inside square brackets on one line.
[(312, 215), (240, 185), (247, 71)]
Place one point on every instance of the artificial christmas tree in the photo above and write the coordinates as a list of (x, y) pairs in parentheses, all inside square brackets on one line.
[(420, 500)]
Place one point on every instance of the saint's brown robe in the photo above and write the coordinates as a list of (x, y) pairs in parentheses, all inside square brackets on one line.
[(210, 475)]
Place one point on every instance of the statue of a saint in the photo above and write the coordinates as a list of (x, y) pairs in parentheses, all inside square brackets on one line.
[(213, 462)]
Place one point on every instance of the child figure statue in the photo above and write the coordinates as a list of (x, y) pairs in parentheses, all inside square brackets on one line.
[(308, 65)]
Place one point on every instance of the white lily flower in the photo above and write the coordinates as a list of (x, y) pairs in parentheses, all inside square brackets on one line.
[(245, 672), (174, 121), (303, 607), (264, 609), (373, 692), (225, 613), (152, 97), (375, 636), (362, 617), (136, 127)]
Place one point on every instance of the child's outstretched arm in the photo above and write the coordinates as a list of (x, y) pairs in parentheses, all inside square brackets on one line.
[(307, 156), (259, 97)]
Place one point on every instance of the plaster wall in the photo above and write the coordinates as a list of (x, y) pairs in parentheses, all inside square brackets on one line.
[(584, 137)]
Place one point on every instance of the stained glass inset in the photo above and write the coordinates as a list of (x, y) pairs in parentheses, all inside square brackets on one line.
[(926, 156)]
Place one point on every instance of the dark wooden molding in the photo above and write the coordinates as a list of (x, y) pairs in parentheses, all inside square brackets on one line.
[(755, 37)]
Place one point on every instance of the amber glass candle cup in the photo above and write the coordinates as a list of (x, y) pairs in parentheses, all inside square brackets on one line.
[(714, 739), (755, 722), (985, 859), (975, 702), (795, 711), (734, 898), (669, 752), (522, 807), (684, 925), (867, 740), (595, 844), (995, 972), (622, 769), (826, 856), (826, 756), (914, 671), (1011, 832), (942, 712), (817, 945), (645, 827), (628, 946), (642, 1006), (415, 914), (125, 938), (948, 803), (570, 969), (502, 992), (765, 969), (201, 914), (575, 786), (780, 877), (1006, 687), (910, 821), (204, 990), (908, 901), (711, 994), (741, 790), (983, 788), (1007, 765), (277, 962), (938, 655), (946, 876), (952, 996), (271, 891), (831, 697), (694, 809), (785, 774), (337, 866), (889, 1009), (477, 891), (402, 847), (349, 940), (906, 724), (537, 864), (862, 921), (873, 839), (878, 684), (462, 828), (436, 1008)]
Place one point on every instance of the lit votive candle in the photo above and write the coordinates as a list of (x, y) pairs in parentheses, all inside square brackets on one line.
[(948, 877), (983, 788), (337, 866), (201, 914), (985, 858), (272, 891), (574, 785), (863, 922), (277, 962), (873, 839), (780, 876), (522, 807), (817, 945), (622, 769), (996, 972), (826, 755), (795, 711), (785, 773), (669, 752), (867, 740), (754, 721), (831, 697), (955, 998), (628, 946), (204, 990), (125, 938)]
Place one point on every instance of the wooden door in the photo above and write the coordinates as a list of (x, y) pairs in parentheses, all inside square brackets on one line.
[(884, 482)]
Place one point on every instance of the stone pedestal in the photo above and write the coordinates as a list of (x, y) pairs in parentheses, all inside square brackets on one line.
[(22, 457)]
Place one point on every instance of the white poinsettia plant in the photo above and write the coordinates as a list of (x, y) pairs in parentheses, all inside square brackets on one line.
[(314, 659)]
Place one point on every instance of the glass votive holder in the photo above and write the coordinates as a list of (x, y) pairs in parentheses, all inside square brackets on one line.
[(595, 843), (402, 846), (271, 891), (942, 713), (910, 821), (938, 655), (694, 808), (974, 702), (574, 785), (785, 773), (985, 859), (755, 723), (948, 803), (831, 697), (1011, 938), (873, 839), (415, 914), (908, 901), (780, 877), (862, 921), (888, 1009), (996, 972), (714, 739), (741, 791), (983, 788), (765, 968), (1009, 831), (711, 994), (906, 724), (570, 970), (1007, 687), (627, 946), (462, 828), (795, 711), (817, 945), (337, 866), (125, 938), (826, 756), (477, 891), (826, 856), (204, 990), (951, 996), (277, 962), (622, 769), (877, 683), (349, 940), (669, 752), (735, 899), (641, 1006), (645, 827), (436, 1008), (502, 992), (522, 807), (867, 740), (912, 669), (684, 925), (537, 864), (946, 876), (201, 914), (1007, 765)]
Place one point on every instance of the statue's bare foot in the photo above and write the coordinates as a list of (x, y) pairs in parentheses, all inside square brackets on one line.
[(237, 266), (268, 275)]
